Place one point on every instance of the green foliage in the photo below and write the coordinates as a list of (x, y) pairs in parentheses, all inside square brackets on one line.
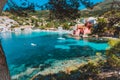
[(113, 13), (50, 24), (66, 25), (113, 17), (56, 24), (22, 9), (113, 54), (102, 23), (62, 9), (113, 42), (101, 27), (42, 27), (92, 67)]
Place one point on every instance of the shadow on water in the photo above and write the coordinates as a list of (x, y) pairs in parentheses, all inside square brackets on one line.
[(64, 54), (49, 53), (74, 52)]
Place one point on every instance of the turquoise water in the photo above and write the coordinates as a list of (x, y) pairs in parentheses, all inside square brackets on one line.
[(30, 53)]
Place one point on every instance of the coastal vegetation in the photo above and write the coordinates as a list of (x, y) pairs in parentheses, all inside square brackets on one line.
[(113, 54), (97, 69)]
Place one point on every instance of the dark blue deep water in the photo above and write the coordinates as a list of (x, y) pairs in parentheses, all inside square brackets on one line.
[(27, 53)]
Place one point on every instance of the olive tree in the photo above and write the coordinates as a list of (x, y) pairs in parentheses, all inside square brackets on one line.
[(67, 9)]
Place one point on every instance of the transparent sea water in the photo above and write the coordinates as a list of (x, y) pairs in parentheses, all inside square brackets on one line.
[(45, 52)]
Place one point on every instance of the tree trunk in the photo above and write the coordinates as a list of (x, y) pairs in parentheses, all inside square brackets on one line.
[(2, 3), (4, 72)]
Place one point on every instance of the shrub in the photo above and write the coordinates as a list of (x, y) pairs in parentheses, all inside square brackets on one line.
[(92, 67), (101, 27), (66, 25), (42, 27), (113, 42), (56, 25), (113, 54), (50, 24)]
